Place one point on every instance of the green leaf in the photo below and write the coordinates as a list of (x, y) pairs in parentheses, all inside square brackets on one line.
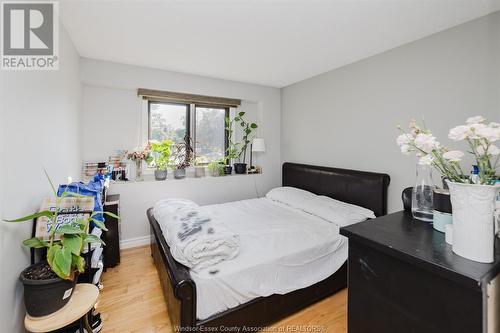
[(62, 260), (35, 243), (46, 213), (69, 229), (78, 262), (100, 224), (73, 243), (92, 239), (241, 114), (52, 252), (106, 213), (242, 124), (253, 125), (248, 131)]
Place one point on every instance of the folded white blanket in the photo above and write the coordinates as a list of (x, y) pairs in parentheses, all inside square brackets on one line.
[(195, 239)]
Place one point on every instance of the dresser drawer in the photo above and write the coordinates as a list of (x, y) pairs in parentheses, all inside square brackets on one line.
[(387, 294)]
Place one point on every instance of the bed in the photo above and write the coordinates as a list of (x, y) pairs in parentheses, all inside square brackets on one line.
[(195, 300)]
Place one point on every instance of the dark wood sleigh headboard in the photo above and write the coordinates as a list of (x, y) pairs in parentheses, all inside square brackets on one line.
[(365, 189)]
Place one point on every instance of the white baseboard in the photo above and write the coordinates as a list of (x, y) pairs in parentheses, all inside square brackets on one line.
[(134, 242)]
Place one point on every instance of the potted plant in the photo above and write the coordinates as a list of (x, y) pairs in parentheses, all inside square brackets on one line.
[(239, 150), (216, 168), (49, 284), (472, 197), (182, 155), (139, 155), (160, 157)]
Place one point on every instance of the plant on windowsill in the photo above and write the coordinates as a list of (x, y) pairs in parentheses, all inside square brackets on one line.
[(49, 284), (160, 157), (216, 168), (238, 150), (139, 155), (181, 157)]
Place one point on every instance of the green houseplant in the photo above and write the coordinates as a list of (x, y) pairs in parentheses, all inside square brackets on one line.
[(49, 284), (238, 150), (182, 156), (216, 168), (160, 157)]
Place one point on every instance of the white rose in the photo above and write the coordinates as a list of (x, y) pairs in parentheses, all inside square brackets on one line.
[(492, 150), (491, 134), (453, 155), (459, 133), (426, 142), (406, 149), (475, 120), (404, 139), (426, 160)]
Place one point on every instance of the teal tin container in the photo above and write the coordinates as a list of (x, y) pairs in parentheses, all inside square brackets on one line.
[(442, 209)]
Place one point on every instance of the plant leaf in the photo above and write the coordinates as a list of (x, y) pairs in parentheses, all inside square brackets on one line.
[(73, 243), (106, 213), (52, 252), (253, 125), (100, 224), (93, 239), (46, 213), (241, 114), (62, 260), (35, 243), (69, 229), (78, 262)]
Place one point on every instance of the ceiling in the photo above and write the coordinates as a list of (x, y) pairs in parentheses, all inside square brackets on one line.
[(268, 42)]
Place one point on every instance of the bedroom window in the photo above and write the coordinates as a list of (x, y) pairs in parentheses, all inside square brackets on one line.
[(204, 123)]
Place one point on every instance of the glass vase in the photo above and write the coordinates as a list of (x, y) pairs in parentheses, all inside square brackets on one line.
[(422, 193), (138, 171)]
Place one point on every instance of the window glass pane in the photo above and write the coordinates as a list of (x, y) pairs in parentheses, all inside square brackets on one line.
[(167, 121), (210, 133)]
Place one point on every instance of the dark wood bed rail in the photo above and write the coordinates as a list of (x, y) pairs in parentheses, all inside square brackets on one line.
[(180, 289)]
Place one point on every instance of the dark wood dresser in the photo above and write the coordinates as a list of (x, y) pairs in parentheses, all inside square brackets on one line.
[(403, 277), (112, 236)]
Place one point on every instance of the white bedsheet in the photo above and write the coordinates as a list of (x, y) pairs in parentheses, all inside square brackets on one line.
[(282, 249)]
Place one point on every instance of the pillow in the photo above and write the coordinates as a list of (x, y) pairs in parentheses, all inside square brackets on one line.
[(290, 196), (337, 212)]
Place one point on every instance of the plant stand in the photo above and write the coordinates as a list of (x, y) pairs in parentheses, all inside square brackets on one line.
[(78, 308)]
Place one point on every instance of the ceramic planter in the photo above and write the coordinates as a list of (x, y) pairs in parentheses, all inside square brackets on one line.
[(473, 220), (179, 173), (161, 174), (43, 297), (199, 172), (228, 170)]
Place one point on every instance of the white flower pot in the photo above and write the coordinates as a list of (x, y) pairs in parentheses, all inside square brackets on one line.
[(473, 221)]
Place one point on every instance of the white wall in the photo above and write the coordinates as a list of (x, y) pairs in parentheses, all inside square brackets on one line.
[(39, 126), (348, 117), (112, 120)]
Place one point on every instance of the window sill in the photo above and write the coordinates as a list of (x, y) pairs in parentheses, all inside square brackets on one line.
[(149, 178)]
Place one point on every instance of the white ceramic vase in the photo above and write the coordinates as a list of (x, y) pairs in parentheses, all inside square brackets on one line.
[(473, 220)]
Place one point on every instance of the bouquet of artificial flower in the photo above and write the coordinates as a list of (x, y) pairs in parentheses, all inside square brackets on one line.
[(479, 136), (140, 154)]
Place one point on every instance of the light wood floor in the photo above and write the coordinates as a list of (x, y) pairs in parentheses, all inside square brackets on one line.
[(132, 301)]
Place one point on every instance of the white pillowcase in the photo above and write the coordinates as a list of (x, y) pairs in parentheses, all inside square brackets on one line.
[(290, 196), (337, 212), (334, 211)]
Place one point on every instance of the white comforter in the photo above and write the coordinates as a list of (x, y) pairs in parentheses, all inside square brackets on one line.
[(281, 249), (195, 238)]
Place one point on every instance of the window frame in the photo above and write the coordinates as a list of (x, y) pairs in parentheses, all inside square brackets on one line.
[(191, 121)]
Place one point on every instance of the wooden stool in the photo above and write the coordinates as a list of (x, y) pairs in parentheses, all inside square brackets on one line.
[(83, 300)]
